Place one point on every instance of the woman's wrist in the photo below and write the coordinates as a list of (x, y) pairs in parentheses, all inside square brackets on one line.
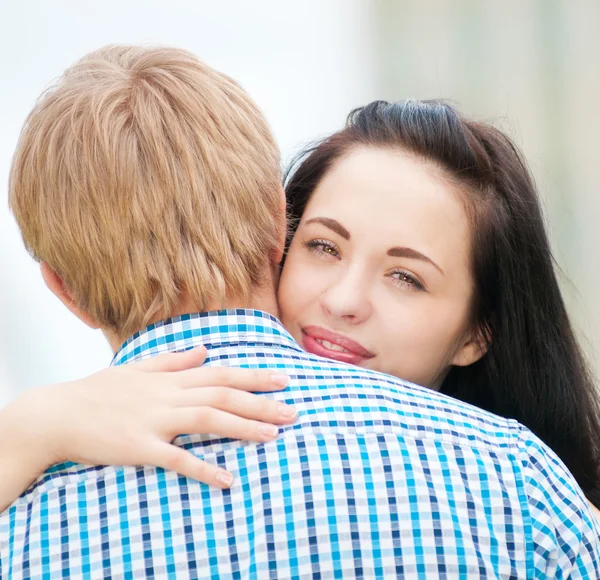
[(23, 439), (33, 429)]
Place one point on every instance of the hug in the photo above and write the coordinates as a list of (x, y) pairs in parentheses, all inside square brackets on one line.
[(364, 368)]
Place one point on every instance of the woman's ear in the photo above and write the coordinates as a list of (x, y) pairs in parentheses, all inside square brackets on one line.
[(474, 346), (57, 286)]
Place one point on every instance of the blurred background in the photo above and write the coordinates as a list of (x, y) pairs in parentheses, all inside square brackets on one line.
[(532, 68)]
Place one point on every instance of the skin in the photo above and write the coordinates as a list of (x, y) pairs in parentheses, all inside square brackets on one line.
[(382, 257)]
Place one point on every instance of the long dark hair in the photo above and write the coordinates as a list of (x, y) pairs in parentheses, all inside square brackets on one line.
[(533, 370)]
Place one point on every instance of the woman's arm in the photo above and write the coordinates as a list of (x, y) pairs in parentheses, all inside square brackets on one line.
[(21, 461), (129, 415)]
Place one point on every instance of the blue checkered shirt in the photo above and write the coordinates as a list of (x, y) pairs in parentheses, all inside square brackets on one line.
[(378, 478)]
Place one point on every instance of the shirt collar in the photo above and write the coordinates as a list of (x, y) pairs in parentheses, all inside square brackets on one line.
[(211, 329)]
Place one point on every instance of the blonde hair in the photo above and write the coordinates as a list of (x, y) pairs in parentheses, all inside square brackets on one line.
[(144, 173)]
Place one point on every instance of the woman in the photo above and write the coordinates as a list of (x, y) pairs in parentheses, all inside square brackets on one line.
[(492, 328), (419, 249)]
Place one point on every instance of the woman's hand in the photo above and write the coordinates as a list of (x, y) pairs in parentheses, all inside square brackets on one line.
[(129, 415)]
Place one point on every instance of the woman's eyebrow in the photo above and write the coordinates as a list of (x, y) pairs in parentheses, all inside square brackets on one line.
[(332, 224), (398, 252)]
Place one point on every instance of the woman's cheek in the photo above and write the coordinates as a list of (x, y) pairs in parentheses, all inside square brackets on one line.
[(292, 291), (307, 290), (406, 339)]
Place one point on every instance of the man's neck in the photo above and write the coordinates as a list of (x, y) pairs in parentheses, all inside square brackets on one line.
[(263, 299)]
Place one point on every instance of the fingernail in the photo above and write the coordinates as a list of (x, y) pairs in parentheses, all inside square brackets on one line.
[(280, 379), (287, 412), (269, 431), (225, 478)]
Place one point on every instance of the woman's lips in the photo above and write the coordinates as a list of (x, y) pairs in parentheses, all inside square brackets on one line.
[(328, 344)]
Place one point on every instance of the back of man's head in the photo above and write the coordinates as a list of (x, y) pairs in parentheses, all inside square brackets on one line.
[(144, 174)]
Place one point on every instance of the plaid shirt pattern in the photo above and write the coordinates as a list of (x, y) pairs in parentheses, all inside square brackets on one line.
[(378, 478)]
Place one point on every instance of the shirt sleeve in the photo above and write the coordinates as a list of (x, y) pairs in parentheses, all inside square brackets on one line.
[(566, 535)]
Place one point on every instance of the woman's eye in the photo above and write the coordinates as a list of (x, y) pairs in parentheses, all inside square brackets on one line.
[(402, 278), (322, 248)]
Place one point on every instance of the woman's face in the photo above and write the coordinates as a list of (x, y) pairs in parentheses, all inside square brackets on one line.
[(378, 273)]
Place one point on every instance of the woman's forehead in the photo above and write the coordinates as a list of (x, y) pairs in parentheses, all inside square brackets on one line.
[(389, 190)]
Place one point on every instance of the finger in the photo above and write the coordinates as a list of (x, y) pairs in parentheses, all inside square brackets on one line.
[(206, 420), (260, 380), (239, 403), (174, 458), (173, 361)]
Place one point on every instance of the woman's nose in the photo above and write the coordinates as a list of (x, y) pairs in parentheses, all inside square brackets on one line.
[(348, 298)]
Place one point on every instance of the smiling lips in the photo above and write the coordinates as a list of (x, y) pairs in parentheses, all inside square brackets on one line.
[(328, 344)]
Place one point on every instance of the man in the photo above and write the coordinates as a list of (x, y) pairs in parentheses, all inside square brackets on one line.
[(147, 184)]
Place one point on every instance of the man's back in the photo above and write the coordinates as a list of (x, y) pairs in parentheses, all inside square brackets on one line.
[(376, 479)]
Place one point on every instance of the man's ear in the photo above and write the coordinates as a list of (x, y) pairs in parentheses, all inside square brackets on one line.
[(474, 346), (57, 286)]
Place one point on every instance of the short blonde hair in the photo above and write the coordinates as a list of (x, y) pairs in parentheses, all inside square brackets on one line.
[(143, 173)]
